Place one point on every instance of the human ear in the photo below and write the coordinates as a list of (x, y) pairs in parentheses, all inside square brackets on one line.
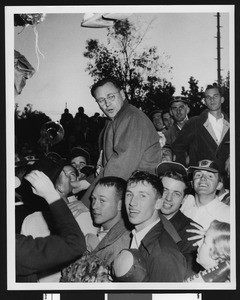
[(122, 94), (222, 99), (159, 203), (219, 186), (119, 205)]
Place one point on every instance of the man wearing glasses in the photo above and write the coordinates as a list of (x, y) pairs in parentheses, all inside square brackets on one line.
[(206, 135), (129, 140)]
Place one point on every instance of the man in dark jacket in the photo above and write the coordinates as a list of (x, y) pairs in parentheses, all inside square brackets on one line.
[(164, 261), (206, 136), (179, 111), (40, 254), (175, 188)]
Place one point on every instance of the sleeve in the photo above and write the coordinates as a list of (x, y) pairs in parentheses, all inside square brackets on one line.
[(180, 146), (35, 255), (132, 138)]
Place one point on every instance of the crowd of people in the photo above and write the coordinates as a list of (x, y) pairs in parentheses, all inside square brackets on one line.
[(147, 199)]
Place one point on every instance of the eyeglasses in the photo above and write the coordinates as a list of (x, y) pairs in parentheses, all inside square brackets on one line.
[(110, 97)]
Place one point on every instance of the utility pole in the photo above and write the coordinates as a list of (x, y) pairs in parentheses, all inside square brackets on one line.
[(218, 37)]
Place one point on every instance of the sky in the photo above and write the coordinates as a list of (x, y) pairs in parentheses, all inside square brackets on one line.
[(186, 35)]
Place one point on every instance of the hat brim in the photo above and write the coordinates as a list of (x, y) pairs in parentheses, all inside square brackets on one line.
[(192, 169), (164, 167)]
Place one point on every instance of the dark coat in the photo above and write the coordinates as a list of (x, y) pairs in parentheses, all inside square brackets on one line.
[(40, 254), (181, 224), (165, 263), (198, 140)]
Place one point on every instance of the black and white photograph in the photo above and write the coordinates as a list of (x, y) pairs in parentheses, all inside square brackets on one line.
[(120, 148)]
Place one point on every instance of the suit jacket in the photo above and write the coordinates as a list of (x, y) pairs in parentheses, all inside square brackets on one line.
[(197, 138), (165, 263), (117, 238), (181, 224)]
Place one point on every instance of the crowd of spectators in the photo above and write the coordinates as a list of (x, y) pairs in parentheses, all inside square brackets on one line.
[(148, 195)]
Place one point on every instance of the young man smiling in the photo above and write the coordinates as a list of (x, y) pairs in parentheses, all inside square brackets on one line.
[(176, 187), (206, 206), (143, 200)]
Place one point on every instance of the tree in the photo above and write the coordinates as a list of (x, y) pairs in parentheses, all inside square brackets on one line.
[(141, 72), (195, 97)]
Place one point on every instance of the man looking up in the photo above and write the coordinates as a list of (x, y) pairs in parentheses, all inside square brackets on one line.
[(143, 200), (129, 140)]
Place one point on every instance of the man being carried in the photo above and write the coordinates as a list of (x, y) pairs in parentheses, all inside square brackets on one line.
[(129, 140)]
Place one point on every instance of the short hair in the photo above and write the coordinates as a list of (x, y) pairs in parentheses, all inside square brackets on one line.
[(113, 181), (166, 111), (214, 86), (101, 82), (177, 176), (143, 176), (221, 241)]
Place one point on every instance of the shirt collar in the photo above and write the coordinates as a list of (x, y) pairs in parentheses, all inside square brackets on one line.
[(141, 234)]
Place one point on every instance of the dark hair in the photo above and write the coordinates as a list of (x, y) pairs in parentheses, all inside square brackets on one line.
[(177, 176), (101, 82), (214, 86), (143, 176), (117, 182)]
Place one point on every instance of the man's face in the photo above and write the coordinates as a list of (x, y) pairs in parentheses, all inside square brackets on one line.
[(105, 205), (213, 99), (167, 120), (205, 182), (79, 162), (65, 178), (173, 195), (157, 121), (109, 99), (142, 202), (179, 111)]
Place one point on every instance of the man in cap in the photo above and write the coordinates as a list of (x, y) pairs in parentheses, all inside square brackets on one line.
[(176, 187), (179, 111), (206, 206), (206, 135)]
